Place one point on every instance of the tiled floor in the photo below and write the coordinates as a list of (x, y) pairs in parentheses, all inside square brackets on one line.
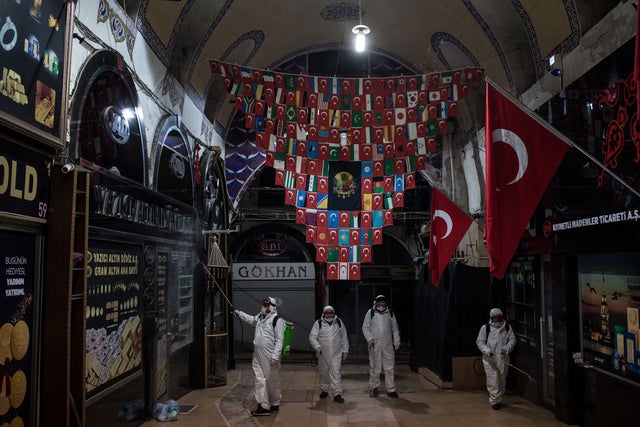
[(421, 403)]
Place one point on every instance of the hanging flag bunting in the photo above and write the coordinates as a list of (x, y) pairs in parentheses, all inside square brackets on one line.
[(448, 225), (345, 146), (522, 155)]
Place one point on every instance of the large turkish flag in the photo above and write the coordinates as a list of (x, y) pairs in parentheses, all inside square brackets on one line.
[(522, 154)]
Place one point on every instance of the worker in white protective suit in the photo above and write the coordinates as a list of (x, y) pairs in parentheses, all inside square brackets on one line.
[(496, 340), (328, 337), (380, 329), (267, 349)]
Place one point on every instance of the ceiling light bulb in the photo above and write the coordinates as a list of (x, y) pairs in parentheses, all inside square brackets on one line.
[(360, 42), (360, 31)]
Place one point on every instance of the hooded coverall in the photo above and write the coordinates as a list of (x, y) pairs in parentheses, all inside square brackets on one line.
[(495, 357), (267, 348), (382, 333), (331, 338)]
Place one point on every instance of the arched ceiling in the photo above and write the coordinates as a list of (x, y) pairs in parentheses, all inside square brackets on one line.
[(512, 40)]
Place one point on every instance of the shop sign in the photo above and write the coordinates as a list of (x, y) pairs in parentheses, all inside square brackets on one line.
[(273, 271), (24, 187), (373, 272), (603, 219), (272, 247), (116, 125), (120, 205), (403, 272)]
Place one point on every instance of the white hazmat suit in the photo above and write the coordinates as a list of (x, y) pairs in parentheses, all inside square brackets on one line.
[(495, 350), (380, 329), (328, 337), (267, 349)]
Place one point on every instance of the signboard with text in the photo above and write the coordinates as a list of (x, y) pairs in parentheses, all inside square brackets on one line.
[(24, 184), (17, 293), (114, 329), (243, 271)]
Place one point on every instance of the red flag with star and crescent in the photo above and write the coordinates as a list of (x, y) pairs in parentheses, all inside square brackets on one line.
[(448, 225), (522, 155), (636, 62)]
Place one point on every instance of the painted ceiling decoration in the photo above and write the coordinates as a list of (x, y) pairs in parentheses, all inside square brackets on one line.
[(512, 42), (344, 148)]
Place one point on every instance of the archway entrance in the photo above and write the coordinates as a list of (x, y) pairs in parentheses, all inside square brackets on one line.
[(391, 274)]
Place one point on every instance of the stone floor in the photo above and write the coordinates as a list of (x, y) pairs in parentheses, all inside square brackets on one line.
[(421, 403)]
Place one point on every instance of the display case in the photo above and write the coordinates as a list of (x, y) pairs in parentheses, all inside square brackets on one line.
[(182, 316), (522, 313)]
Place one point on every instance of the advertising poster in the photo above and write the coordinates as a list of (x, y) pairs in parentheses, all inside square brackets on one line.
[(114, 329), (17, 266), (32, 54), (610, 289), (24, 184)]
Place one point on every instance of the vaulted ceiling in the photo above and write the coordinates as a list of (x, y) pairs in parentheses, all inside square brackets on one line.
[(511, 40)]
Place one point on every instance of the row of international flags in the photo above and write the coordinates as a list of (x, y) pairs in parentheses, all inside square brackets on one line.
[(345, 149), (235, 76)]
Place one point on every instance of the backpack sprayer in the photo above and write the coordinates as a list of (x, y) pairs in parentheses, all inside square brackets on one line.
[(288, 332)]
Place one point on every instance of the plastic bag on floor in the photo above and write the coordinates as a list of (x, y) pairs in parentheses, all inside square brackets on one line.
[(173, 409), (167, 411), (132, 411), (159, 411)]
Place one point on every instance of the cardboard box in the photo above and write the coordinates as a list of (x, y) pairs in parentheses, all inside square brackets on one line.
[(468, 373)]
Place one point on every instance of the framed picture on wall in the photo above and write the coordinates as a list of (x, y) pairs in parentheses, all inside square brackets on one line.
[(610, 302)]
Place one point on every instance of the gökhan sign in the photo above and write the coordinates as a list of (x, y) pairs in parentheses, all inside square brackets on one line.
[(273, 271)]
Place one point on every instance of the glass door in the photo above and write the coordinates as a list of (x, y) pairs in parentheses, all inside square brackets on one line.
[(522, 304), (180, 328), (524, 316)]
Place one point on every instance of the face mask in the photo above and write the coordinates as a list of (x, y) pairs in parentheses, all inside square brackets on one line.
[(329, 318), (381, 308), (264, 310), (497, 321)]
